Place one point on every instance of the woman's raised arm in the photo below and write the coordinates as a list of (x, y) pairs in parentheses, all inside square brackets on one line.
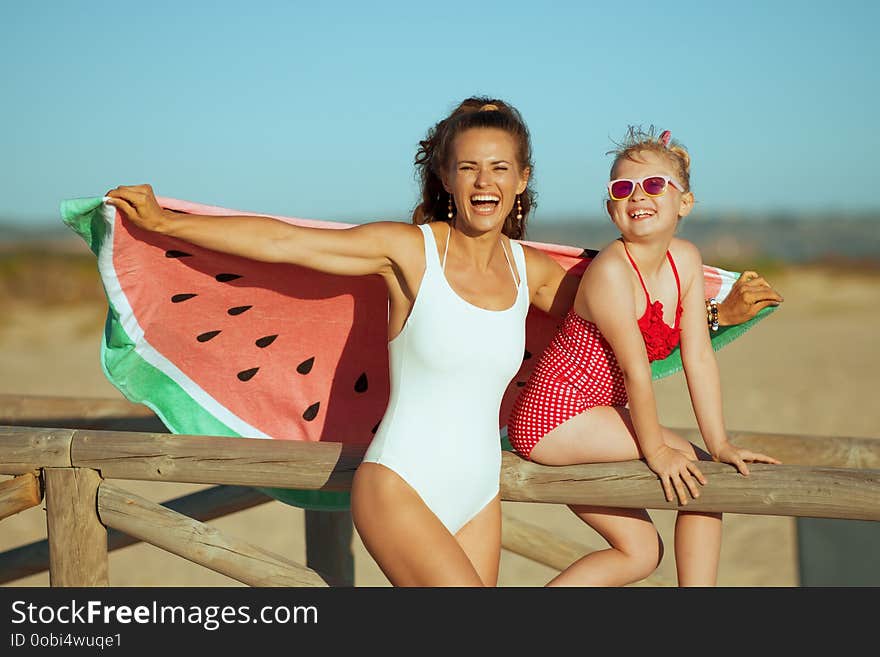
[(355, 251)]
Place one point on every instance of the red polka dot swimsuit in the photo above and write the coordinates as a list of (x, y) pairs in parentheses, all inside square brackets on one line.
[(579, 371)]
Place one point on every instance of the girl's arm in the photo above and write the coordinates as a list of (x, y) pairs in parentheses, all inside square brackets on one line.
[(606, 293), (701, 366), (359, 250)]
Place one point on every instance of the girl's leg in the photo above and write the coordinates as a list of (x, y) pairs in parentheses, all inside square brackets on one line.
[(406, 539), (697, 548), (598, 435), (605, 434), (697, 534), (480, 539), (634, 553)]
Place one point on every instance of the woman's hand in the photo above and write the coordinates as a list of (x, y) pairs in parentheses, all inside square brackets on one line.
[(138, 203), (727, 453), (748, 296), (678, 471)]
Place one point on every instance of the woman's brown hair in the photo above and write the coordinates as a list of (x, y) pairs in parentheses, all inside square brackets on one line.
[(435, 150)]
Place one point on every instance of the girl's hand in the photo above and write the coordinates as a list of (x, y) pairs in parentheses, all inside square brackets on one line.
[(678, 471), (139, 204), (738, 457)]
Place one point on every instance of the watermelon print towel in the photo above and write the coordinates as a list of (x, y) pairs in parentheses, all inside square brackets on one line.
[(221, 345)]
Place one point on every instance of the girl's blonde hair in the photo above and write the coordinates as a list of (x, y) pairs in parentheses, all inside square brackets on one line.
[(639, 139)]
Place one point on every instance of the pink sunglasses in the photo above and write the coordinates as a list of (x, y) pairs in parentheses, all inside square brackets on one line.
[(622, 188)]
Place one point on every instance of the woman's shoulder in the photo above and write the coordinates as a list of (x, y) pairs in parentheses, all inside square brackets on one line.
[(536, 259), (398, 241), (392, 232)]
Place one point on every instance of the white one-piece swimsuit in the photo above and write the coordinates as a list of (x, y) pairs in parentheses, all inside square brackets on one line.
[(449, 368)]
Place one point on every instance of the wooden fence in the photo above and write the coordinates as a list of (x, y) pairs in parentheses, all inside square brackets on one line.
[(822, 477)]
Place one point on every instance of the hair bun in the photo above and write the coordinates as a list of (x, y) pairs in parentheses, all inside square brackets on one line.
[(489, 107)]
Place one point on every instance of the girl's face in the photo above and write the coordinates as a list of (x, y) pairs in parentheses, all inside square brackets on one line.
[(642, 215), (484, 177)]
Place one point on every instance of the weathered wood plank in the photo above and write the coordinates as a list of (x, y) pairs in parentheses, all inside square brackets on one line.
[(771, 490), (25, 449), (820, 451), (19, 494), (203, 505), (198, 542), (553, 550), (787, 490), (77, 539), (78, 413), (217, 460), (17, 407)]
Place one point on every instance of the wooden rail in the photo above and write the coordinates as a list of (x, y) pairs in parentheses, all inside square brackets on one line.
[(789, 490), (518, 536), (822, 477), (202, 505), (19, 494), (198, 542)]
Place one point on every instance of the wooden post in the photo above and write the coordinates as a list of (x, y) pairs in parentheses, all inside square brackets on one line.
[(77, 539), (19, 494), (328, 544)]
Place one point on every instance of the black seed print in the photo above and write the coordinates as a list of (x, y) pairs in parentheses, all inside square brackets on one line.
[(204, 337), (238, 310), (311, 412), (225, 278), (361, 384), (306, 366), (376, 428), (247, 375), (177, 254), (520, 384), (177, 298), (527, 355), (266, 341)]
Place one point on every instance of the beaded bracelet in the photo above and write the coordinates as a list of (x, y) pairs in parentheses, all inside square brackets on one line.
[(712, 313)]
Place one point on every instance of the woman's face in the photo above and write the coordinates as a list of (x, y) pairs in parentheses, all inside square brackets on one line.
[(642, 215), (484, 177)]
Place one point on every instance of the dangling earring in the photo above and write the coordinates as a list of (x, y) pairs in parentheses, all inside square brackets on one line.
[(518, 209), (449, 208)]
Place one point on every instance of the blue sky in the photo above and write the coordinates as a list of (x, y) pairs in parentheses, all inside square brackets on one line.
[(316, 109)]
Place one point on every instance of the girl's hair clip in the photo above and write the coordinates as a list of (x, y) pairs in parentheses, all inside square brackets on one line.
[(664, 138)]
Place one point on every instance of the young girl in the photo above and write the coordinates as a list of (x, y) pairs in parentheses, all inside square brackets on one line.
[(590, 397)]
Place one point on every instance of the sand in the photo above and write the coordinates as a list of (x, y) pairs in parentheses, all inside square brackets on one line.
[(811, 368)]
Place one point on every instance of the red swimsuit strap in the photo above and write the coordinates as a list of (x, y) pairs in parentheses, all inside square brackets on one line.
[(645, 288), (635, 266), (677, 285)]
